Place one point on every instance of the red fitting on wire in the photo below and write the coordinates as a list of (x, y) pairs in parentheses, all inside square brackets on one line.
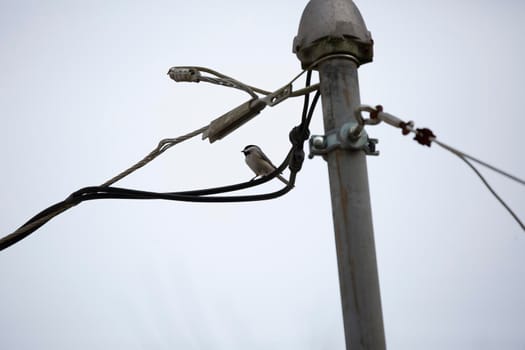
[(424, 136), (406, 127)]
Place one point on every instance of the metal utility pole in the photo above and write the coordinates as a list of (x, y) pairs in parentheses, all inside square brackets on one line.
[(333, 36)]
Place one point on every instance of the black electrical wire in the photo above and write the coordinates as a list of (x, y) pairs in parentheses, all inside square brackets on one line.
[(306, 97), (203, 195), (311, 111), (108, 192)]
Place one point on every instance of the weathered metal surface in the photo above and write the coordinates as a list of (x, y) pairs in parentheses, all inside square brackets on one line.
[(328, 29), (358, 276), (332, 26)]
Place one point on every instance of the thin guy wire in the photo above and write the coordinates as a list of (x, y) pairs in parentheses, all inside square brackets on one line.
[(225, 77), (265, 92), (163, 145), (491, 167), (232, 84), (464, 157), (408, 127), (224, 80), (310, 67), (305, 90), (467, 156), (161, 148), (167, 143), (491, 189)]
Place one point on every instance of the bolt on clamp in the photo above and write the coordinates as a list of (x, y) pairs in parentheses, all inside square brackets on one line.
[(350, 136)]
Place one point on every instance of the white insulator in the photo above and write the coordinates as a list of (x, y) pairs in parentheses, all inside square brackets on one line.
[(390, 119)]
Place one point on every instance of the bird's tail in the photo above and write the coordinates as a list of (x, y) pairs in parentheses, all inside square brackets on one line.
[(283, 179)]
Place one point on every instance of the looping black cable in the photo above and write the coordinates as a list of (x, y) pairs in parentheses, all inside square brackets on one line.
[(299, 134), (293, 160), (108, 192)]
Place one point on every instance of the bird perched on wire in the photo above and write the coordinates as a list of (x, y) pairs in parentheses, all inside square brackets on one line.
[(259, 162)]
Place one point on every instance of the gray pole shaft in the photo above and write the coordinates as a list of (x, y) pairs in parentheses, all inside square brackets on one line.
[(356, 256)]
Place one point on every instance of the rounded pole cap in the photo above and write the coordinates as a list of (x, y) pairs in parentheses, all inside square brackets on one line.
[(331, 27)]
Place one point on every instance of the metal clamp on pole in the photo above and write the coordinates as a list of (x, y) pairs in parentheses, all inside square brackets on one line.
[(351, 136)]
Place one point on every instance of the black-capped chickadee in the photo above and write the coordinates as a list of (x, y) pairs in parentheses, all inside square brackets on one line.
[(259, 162)]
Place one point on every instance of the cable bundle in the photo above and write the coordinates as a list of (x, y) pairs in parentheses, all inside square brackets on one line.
[(293, 160)]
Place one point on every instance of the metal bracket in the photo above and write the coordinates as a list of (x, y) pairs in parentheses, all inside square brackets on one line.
[(278, 96), (351, 136)]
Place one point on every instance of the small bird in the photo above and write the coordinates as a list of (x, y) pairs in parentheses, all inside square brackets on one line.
[(259, 162)]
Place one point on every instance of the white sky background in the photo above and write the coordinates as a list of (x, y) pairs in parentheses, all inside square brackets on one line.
[(84, 94)]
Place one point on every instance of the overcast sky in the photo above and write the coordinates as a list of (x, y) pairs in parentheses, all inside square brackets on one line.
[(84, 94)]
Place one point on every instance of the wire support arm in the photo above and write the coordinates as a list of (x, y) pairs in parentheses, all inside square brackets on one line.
[(293, 160), (426, 137), (163, 145)]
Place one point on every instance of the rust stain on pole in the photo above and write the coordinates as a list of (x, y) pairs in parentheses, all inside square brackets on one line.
[(330, 27)]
